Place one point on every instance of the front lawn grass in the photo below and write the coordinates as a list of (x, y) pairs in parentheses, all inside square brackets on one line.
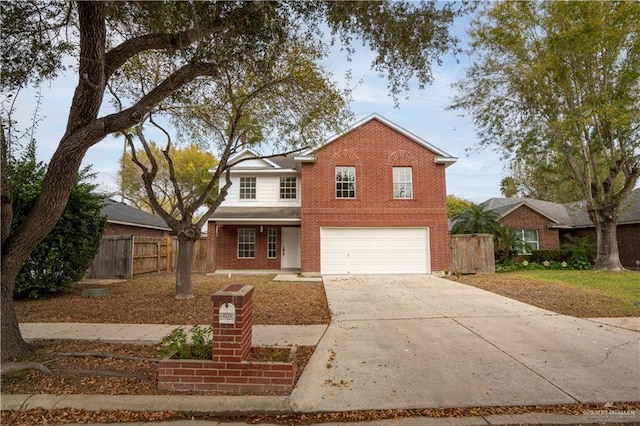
[(583, 294), (622, 285)]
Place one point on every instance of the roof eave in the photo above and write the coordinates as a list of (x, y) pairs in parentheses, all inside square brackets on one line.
[(447, 161)]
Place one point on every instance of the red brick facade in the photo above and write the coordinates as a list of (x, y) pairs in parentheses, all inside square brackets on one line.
[(222, 248), (229, 370), (373, 149), (525, 217), (628, 242)]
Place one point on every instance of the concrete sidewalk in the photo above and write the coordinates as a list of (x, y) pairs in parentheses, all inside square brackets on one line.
[(151, 334)]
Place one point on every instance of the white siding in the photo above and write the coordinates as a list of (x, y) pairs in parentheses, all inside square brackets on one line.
[(267, 191)]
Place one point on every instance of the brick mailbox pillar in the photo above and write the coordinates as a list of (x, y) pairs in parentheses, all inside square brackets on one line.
[(230, 369), (232, 323)]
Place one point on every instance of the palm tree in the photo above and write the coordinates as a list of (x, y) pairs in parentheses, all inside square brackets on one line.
[(509, 187), (475, 220), (506, 243)]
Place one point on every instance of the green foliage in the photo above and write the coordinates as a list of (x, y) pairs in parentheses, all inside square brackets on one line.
[(475, 220), (26, 57), (65, 254), (550, 255), (457, 205), (554, 86), (506, 243), (509, 187), (579, 247), (199, 346), (192, 166)]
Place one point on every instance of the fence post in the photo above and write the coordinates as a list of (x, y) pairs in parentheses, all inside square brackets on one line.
[(169, 253), (132, 251)]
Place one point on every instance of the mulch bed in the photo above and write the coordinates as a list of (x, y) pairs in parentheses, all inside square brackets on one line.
[(116, 369)]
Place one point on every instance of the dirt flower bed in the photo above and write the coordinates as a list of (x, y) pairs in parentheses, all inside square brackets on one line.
[(84, 367), (148, 299)]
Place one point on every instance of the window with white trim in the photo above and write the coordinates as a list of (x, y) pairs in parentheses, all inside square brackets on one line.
[(402, 183), (272, 243), (246, 243), (288, 188), (247, 188), (530, 239), (345, 182)]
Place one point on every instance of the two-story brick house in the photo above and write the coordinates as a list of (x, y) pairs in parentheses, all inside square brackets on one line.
[(371, 200)]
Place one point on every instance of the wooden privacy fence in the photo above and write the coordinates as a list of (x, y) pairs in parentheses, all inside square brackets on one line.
[(472, 253), (124, 256)]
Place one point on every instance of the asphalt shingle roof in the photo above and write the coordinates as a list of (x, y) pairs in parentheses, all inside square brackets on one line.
[(121, 213), (573, 214)]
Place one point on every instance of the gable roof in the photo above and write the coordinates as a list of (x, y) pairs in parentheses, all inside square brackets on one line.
[(255, 162), (123, 214), (441, 156), (572, 215)]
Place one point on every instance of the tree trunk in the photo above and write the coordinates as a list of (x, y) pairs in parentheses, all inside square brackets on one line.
[(13, 345), (183, 269), (608, 256)]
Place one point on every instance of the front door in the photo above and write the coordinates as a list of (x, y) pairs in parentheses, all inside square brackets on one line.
[(290, 249)]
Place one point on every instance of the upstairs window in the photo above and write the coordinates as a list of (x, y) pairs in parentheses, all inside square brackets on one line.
[(246, 243), (247, 188), (345, 182), (288, 188), (530, 238), (402, 183)]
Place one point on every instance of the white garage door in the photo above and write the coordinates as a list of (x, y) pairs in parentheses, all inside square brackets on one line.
[(374, 251)]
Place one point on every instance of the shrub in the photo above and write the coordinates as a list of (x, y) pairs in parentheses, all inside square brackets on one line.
[(582, 251), (540, 256), (65, 254), (200, 346)]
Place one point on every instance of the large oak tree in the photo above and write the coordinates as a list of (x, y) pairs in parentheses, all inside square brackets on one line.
[(560, 82), (199, 37)]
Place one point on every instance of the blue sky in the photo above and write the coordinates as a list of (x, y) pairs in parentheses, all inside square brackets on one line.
[(475, 176)]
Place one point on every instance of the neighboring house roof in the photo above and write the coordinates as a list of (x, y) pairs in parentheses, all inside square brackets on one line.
[(441, 156), (572, 215), (123, 214), (250, 214)]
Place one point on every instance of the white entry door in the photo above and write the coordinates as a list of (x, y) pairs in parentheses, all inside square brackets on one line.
[(374, 251), (290, 250)]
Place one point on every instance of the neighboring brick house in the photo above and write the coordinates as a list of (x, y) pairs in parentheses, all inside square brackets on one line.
[(126, 220), (371, 200), (543, 224)]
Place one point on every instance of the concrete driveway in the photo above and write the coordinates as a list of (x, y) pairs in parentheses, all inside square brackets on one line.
[(423, 341)]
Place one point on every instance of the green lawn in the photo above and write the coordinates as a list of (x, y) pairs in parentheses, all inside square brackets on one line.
[(621, 285)]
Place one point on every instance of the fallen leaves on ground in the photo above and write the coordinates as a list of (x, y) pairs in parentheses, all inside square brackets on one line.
[(149, 299), (556, 297), (65, 416), (91, 374)]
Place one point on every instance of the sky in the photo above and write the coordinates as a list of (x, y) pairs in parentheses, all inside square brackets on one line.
[(475, 176)]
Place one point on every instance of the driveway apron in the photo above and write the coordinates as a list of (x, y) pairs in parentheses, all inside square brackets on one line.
[(420, 341)]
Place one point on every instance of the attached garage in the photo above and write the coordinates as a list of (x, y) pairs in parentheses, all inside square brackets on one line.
[(374, 251)]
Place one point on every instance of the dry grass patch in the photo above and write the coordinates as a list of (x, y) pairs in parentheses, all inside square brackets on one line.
[(149, 299), (557, 297)]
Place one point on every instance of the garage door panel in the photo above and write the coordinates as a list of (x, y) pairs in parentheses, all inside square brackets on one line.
[(375, 250)]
